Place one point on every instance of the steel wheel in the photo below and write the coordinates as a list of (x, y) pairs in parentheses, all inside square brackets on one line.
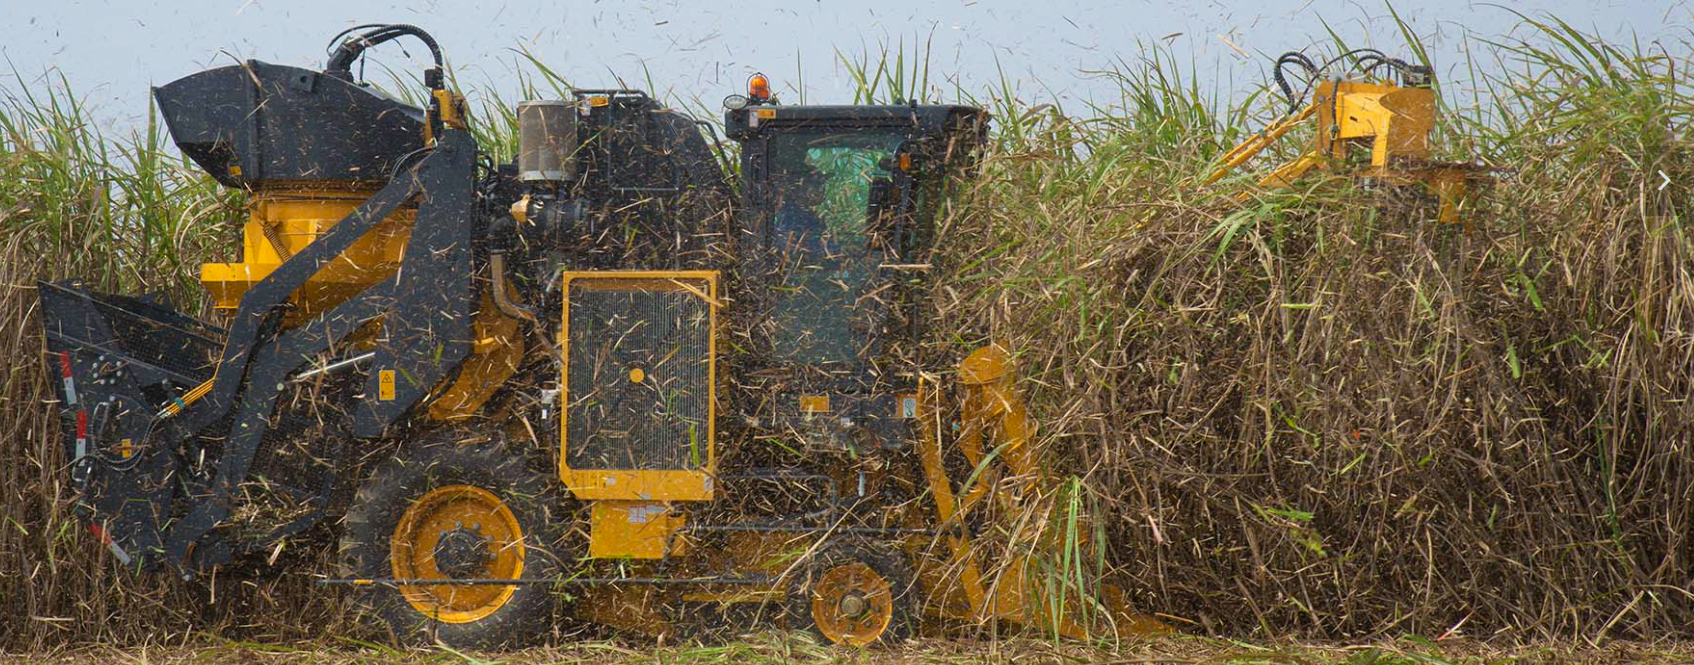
[(457, 532), (448, 511), (855, 597), (852, 604)]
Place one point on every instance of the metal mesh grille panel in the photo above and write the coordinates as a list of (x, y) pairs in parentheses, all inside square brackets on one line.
[(160, 336), (638, 375)]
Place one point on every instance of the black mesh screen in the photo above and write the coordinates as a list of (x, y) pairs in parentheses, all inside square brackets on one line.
[(158, 335), (638, 375)]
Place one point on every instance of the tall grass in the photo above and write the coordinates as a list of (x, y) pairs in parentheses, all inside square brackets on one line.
[(1319, 413)]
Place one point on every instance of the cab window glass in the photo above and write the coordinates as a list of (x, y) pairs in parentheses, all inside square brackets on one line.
[(822, 184)]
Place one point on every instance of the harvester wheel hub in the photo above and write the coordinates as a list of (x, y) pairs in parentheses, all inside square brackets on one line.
[(463, 554), (457, 532), (852, 604)]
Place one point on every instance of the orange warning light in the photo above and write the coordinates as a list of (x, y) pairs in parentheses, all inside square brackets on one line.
[(759, 87)]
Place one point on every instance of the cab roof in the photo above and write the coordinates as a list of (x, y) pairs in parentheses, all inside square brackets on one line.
[(924, 119)]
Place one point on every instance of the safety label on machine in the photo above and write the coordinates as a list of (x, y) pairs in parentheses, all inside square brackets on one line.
[(641, 514)]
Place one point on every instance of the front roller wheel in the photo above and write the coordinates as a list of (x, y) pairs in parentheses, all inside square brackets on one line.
[(854, 596), (447, 511)]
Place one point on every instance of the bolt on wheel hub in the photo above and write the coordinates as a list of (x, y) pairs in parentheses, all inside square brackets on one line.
[(853, 606)]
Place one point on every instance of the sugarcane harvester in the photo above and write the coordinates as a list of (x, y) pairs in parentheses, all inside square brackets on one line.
[(602, 380)]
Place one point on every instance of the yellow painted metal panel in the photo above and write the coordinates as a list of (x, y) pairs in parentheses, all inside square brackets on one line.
[(283, 222), (814, 404), (634, 530)]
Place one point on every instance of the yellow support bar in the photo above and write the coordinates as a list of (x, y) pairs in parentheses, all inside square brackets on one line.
[(1257, 143), (993, 417), (963, 559)]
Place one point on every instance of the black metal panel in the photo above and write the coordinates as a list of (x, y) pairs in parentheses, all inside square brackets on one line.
[(924, 119), (144, 330), (119, 358), (427, 328), (257, 123)]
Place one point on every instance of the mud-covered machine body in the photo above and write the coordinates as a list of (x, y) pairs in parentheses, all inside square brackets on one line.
[(602, 380)]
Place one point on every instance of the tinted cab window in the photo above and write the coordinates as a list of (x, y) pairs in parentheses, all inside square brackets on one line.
[(825, 307)]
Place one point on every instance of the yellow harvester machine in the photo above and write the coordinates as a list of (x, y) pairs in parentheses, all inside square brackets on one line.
[(603, 380)]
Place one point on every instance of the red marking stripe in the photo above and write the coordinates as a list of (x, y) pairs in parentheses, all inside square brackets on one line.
[(65, 364), (81, 424), (111, 546)]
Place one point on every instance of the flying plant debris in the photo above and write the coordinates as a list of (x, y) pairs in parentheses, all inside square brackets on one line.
[(581, 368)]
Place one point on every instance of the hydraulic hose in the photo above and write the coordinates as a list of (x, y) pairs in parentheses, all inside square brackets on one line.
[(497, 266), (340, 63), (1366, 60)]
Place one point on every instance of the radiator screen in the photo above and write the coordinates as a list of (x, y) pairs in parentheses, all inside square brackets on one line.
[(638, 373)]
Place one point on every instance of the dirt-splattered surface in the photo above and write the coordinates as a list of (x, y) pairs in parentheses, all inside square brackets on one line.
[(777, 648)]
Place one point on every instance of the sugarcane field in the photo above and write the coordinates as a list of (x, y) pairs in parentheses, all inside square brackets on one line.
[(1287, 332)]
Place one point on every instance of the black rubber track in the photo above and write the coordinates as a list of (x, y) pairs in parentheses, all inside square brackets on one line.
[(383, 498)]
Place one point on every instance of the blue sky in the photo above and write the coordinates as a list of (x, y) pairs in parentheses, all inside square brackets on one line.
[(112, 51)]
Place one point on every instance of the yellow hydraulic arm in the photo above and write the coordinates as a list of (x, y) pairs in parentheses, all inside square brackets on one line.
[(996, 436), (1256, 144), (1393, 121)]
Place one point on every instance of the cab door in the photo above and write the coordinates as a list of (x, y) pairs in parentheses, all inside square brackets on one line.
[(816, 288), (828, 306)]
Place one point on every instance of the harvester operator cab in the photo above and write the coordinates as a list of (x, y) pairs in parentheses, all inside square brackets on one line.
[(836, 216)]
